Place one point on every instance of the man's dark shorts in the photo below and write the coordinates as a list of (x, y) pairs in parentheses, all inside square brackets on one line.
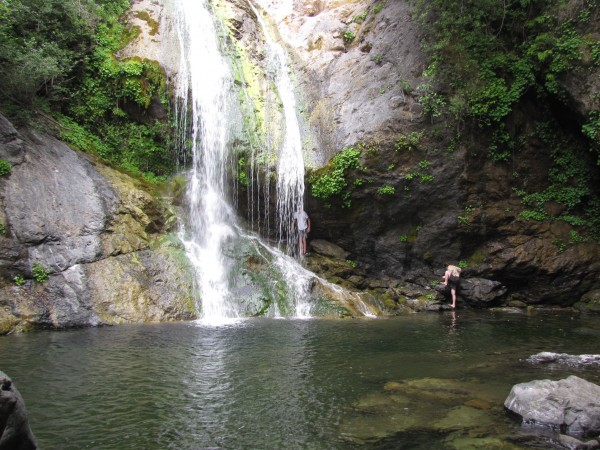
[(303, 233)]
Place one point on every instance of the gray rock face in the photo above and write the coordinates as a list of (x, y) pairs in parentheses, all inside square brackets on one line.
[(11, 146), (571, 405), (57, 204), (96, 232), (480, 292), (15, 433), (326, 248)]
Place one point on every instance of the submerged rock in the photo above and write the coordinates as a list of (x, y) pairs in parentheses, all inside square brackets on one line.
[(571, 405), (15, 433), (436, 406)]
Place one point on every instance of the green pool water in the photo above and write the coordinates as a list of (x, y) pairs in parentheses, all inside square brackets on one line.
[(426, 380)]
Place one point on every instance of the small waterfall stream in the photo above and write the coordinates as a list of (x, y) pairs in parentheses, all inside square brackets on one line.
[(290, 169), (210, 117)]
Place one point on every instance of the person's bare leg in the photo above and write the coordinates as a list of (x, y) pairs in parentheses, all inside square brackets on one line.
[(453, 291)]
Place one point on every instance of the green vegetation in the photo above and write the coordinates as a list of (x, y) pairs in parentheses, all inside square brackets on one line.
[(489, 60), (378, 7), (408, 142), (5, 167), (2, 228), (40, 273), (349, 36), (57, 59), (464, 219), (360, 17), (243, 178), (331, 181), (386, 190), (570, 185), (19, 280), (491, 54), (351, 263)]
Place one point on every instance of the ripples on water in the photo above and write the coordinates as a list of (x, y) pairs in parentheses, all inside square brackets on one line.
[(275, 384)]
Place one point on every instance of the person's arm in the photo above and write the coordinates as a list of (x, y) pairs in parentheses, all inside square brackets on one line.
[(308, 224)]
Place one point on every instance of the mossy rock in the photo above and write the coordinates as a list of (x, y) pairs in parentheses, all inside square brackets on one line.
[(589, 303)]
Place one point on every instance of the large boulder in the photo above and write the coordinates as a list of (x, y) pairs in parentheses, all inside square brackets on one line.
[(84, 244), (589, 302), (571, 405), (481, 292), (15, 433)]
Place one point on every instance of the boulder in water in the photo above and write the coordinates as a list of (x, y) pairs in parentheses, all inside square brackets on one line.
[(15, 433), (571, 405)]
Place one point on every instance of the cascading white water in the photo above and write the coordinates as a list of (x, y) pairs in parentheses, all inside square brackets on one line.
[(208, 114), (204, 95), (290, 169)]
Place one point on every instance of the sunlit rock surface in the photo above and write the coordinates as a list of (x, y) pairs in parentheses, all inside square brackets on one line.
[(96, 233), (571, 405)]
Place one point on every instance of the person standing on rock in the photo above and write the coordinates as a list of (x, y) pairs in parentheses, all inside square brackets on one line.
[(303, 223), (452, 279)]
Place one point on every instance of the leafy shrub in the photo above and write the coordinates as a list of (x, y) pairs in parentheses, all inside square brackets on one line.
[(409, 141), (5, 167), (349, 36), (378, 7), (386, 190), (40, 273), (333, 181)]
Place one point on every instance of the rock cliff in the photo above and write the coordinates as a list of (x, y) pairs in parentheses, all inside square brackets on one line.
[(83, 244), (414, 200)]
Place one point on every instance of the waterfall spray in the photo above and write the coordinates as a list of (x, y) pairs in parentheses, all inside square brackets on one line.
[(290, 168), (210, 119), (204, 97)]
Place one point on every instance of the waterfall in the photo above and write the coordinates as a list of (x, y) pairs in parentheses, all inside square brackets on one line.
[(290, 168), (204, 94), (209, 117)]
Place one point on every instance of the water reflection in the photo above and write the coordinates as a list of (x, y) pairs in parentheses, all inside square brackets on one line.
[(285, 383)]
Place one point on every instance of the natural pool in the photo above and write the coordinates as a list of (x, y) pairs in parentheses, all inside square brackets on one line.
[(427, 380)]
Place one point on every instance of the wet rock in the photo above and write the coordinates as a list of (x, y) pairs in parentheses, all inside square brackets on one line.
[(327, 248), (481, 292), (15, 433), (564, 359), (572, 443), (571, 405), (589, 302)]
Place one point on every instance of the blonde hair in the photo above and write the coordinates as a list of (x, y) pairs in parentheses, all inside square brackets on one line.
[(454, 270)]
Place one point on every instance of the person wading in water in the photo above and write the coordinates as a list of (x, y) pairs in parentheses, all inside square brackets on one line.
[(452, 279)]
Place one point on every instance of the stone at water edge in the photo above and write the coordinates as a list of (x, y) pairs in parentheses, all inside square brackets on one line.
[(571, 405), (15, 433)]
